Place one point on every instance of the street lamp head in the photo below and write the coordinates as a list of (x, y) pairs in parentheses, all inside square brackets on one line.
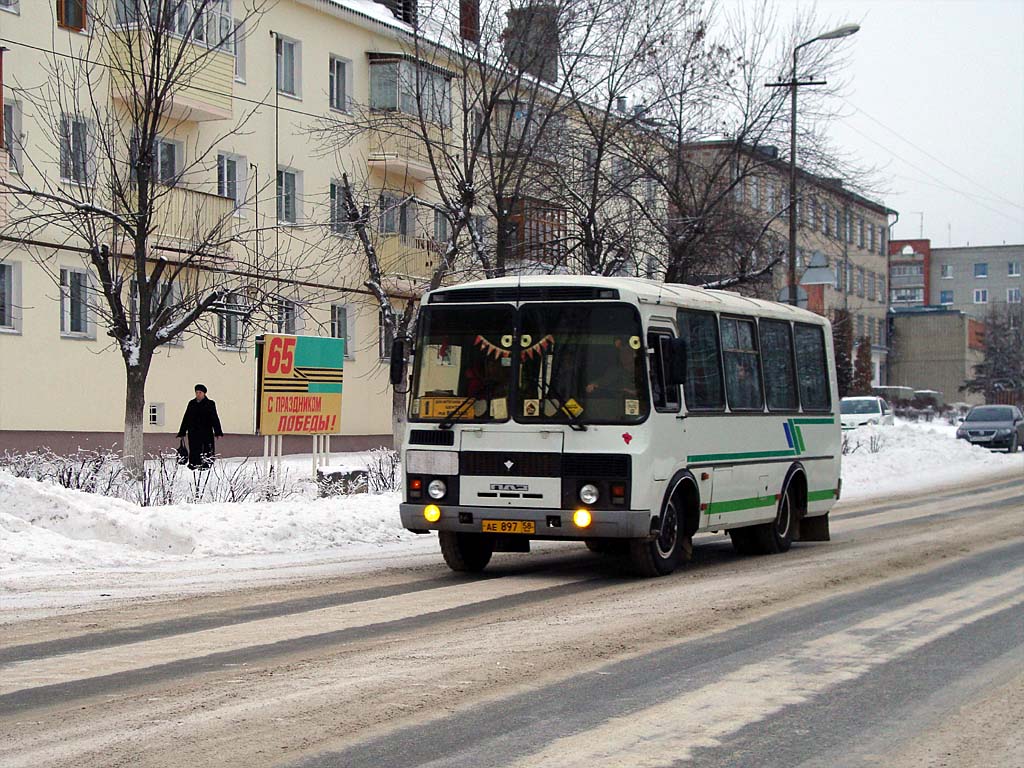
[(844, 31)]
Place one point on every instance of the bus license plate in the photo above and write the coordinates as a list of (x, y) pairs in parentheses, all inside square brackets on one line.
[(509, 526)]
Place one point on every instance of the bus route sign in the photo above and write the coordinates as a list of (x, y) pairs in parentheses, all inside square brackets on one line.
[(298, 385)]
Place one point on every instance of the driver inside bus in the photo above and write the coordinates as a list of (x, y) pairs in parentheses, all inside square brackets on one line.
[(618, 377)]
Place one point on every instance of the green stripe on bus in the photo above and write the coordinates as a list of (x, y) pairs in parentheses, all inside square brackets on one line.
[(733, 456), (824, 495), (815, 421), (738, 505)]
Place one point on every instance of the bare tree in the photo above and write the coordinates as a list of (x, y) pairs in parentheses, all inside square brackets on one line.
[(713, 127), (131, 182)]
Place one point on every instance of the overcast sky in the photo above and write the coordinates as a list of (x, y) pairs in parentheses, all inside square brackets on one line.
[(936, 99)]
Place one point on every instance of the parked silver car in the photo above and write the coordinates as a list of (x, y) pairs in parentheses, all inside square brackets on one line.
[(994, 426)]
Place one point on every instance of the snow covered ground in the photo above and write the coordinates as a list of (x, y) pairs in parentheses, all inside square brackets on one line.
[(59, 547)]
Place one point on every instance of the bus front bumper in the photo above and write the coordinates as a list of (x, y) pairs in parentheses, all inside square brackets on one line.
[(548, 523)]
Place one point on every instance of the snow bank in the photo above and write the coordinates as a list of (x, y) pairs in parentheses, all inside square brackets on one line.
[(45, 527), (917, 456)]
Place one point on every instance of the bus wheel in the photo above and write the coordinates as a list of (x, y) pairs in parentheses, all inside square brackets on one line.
[(469, 552), (661, 555), (768, 538)]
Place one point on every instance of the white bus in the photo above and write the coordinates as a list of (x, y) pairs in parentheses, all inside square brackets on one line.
[(625, 413)]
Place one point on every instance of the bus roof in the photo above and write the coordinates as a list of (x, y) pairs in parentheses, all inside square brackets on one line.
[(640, 290)]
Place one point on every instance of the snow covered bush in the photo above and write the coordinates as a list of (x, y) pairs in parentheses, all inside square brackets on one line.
[(383, 471)]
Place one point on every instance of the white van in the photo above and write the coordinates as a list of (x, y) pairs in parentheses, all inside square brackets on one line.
[(625, 413)]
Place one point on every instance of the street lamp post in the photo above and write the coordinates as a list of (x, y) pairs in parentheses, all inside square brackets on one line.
[(844, 31)]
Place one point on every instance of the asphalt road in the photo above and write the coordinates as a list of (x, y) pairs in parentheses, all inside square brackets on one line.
[(899, 643)]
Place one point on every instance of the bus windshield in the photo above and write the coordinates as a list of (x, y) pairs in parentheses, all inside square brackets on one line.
[(582, 363), (463, 365), (572, 363)]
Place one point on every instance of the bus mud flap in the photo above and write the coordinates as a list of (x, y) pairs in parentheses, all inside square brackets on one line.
[(814, 528)]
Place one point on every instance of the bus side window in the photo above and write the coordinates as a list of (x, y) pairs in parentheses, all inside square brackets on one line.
[(742, 365), (777, 362), (811, 366), (703, 388), (664, 395)]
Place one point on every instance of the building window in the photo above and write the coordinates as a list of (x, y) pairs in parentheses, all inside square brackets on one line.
[(981, 269), (230, 322), (287, 196), (339, 220), (288, 69), (287, 316), (387, 223), (1013, 269), (881, 241), (155, 414), (826, 219), (343, 326), (12, 134), (839, 224), (946, 271), (440, 227), (72, 14), (1013, 295), (981, 295), (403, 86), (860, 282), (229, 177), (238, 45), (871, 237), (74, 302), (871, 329), (945, 297), (770, 203), (872, 287), (74, 150), (538, 233), (338, 86), (860, 231), (881, 289), (10, 287)]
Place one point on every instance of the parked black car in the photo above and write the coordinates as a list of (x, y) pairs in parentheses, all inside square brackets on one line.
[(994, 426)]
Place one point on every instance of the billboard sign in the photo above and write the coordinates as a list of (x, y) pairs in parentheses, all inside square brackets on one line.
[(298, 385)]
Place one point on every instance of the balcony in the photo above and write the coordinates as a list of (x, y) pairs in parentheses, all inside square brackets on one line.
[(206, 93), (185, 220), (405, 256), (399, 151)]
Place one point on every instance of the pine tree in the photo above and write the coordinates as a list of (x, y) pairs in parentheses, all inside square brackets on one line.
[(862, 371), (842, 342), (1002, 368)]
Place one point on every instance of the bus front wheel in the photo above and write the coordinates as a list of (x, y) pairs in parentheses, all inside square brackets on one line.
[(661, 555), (466, 552)]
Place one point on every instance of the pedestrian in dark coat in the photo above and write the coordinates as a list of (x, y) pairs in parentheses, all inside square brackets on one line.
[(202, 425)]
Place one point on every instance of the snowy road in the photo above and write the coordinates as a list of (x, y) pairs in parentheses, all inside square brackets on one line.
[(899, 643)]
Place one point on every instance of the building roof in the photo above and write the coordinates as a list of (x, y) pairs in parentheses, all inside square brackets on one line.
[(770, 156)]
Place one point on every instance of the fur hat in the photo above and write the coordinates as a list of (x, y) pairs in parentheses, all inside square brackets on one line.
[(201, 388)]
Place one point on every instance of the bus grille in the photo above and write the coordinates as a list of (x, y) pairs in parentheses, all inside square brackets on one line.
[(510, 464), (431, 437)]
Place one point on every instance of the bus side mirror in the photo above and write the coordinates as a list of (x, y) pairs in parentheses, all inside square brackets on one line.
[(397, 361), (675, 364)]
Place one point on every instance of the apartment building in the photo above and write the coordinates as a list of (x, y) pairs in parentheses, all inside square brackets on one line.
[(838, 228), (909, 272), (978, 280), (236, 148)]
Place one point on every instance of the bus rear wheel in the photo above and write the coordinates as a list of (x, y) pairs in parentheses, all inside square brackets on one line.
[(466, 552), (768, 538), (661, 555)]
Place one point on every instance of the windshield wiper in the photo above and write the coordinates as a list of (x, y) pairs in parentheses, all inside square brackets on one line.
[(449, 420), (574, 421)]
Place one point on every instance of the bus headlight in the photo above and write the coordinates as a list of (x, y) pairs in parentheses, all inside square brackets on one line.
[(437, 489), (589, 494), (431, 513), (582, 518)]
